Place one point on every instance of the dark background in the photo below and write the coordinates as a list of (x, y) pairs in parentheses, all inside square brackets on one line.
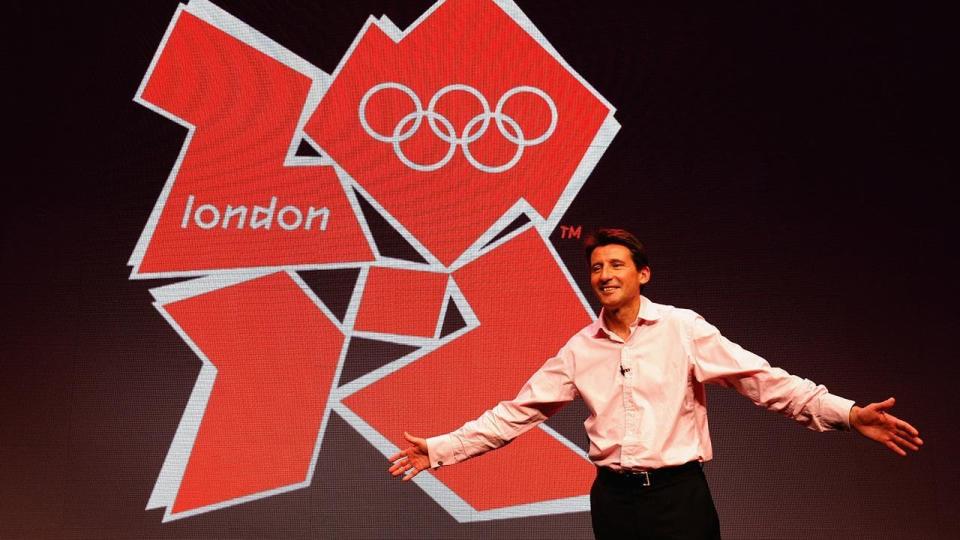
[(790, 166)]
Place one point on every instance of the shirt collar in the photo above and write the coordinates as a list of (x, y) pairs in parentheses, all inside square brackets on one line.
[(648, 312)]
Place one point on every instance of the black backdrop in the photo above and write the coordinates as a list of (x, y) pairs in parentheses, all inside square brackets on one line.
[(789, 166)]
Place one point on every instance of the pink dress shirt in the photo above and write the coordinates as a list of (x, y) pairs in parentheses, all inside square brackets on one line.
[(645, 395)]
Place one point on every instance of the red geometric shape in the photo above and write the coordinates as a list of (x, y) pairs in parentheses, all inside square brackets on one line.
[(405, 302), (233, 204), (469, 43), (527, 311), (276, 354)]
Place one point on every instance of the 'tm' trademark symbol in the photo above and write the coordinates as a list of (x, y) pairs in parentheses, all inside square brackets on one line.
[(568, 232)]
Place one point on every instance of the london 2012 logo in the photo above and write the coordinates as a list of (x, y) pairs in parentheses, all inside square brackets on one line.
[(407, 198)]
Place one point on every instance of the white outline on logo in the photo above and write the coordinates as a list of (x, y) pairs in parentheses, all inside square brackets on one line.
[(449, 134)]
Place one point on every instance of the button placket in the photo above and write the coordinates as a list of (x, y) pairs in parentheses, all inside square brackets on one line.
[(632, 446), (631, 409)]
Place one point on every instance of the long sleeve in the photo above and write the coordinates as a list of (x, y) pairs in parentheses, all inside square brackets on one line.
[(549, 389), (719, 360)]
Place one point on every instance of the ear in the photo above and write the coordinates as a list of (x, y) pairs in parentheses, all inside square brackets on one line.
[(645, 275)]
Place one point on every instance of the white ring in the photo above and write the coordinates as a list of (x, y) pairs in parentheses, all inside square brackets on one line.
[(490, 168), (417, 117), (546, 98), (384, 86), (431, 107)]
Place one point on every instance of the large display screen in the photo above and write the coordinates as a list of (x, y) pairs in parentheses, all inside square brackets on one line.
[(260, 241)]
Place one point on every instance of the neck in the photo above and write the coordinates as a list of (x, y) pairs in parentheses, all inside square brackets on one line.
[(619, 319)]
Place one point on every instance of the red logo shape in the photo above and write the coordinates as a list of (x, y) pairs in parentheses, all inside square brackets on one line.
[(267, 402), (523, 319), (231, 202), (404, 302), (464, 58)]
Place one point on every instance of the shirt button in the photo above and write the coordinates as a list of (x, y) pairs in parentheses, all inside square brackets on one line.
[(439, 463)]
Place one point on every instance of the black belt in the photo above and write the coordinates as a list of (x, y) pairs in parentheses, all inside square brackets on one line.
[(650, 477)]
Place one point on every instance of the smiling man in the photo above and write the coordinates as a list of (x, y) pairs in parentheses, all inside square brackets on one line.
[(640, 369)]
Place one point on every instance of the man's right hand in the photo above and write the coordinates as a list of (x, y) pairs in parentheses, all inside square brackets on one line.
[(413, 458)]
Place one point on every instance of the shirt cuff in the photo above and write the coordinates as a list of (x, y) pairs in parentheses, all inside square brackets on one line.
[(835, 411), (445, 450)]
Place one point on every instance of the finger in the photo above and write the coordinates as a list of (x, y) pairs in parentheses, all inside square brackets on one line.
[(905, 426), (401, 454), (910, 436), (404, 468), (896, 449), (397, 466), (415, 472), (906, 436), (904, 443), (398, 469), (885, 404)]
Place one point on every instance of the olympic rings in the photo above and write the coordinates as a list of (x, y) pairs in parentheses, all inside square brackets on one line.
[(441, 126)]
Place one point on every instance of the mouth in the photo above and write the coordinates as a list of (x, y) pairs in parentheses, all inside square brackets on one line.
[(607, 289)]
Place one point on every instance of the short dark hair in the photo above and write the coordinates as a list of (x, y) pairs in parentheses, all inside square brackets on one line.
[(604, 237)]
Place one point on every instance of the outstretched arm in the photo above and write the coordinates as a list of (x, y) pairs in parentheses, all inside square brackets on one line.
[(543, 394), (874, 422), (721, 361), (412, 459)]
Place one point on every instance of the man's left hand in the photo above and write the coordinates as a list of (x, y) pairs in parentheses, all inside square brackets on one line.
[(874, 422)]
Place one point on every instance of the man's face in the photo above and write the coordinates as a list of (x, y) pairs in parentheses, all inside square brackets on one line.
[(614, 276)]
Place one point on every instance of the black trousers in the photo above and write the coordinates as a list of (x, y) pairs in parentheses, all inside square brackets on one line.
[(678, 507)]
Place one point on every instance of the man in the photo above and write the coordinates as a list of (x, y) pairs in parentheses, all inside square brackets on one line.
[(641, 368)]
